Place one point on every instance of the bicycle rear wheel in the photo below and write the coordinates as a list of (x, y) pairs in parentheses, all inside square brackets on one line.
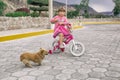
[(55, 46)]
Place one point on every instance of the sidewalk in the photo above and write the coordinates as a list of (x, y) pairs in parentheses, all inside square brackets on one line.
[(22, 33), (19, 31)]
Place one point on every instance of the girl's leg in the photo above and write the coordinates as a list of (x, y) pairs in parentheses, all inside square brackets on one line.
[(61, 37)]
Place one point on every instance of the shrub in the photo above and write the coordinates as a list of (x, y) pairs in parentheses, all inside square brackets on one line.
[(38, 5), (17, 14), (1, 12), (34, 14), (39, 8), (2, 7)]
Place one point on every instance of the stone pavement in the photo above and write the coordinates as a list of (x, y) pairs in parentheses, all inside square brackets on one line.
[(101, 60)]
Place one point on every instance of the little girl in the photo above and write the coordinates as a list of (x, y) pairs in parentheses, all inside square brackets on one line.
[(60, 29)]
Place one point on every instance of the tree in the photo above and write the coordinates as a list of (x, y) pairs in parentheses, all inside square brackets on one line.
[(72, 14), (38, 5), (116, 10), (83, 8), (2, 7)]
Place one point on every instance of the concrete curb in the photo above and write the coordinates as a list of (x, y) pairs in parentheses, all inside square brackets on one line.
[(29, 34), (117, 22)]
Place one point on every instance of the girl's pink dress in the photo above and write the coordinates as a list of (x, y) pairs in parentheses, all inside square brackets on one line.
[(60, 28)]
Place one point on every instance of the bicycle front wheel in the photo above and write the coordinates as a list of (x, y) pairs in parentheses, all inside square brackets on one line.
[(77, 49)]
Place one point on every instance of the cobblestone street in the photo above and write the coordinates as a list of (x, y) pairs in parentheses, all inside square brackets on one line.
[(101, 60)]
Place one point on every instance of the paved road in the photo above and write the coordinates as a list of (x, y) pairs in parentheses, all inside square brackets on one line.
[(101, 60)]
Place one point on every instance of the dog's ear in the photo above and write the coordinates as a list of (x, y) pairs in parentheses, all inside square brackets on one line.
[(42, 52), (40, 48)]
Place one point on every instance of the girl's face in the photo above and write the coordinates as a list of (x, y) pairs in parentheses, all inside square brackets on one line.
[(61, 13)]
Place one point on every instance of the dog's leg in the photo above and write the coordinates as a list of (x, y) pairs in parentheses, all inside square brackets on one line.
[(39, 63), (26, 62)]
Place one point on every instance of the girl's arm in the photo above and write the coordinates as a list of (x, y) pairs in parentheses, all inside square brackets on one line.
[(54, 20), (67, 23)]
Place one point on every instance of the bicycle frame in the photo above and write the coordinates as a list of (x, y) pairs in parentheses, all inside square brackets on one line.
[(66, 41), (68, 38), (74, 44)]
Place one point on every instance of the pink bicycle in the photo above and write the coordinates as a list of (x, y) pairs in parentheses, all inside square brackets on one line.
[(76, 48)]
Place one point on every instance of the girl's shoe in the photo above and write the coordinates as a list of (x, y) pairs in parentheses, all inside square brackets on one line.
[(62, 49), (50, 52)]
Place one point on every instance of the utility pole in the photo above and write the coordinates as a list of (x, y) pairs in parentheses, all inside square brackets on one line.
[(50, 12), (66, 7)]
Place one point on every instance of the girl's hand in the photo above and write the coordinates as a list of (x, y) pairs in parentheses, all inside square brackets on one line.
[(55, 20), (61, 23), (70, 30)]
